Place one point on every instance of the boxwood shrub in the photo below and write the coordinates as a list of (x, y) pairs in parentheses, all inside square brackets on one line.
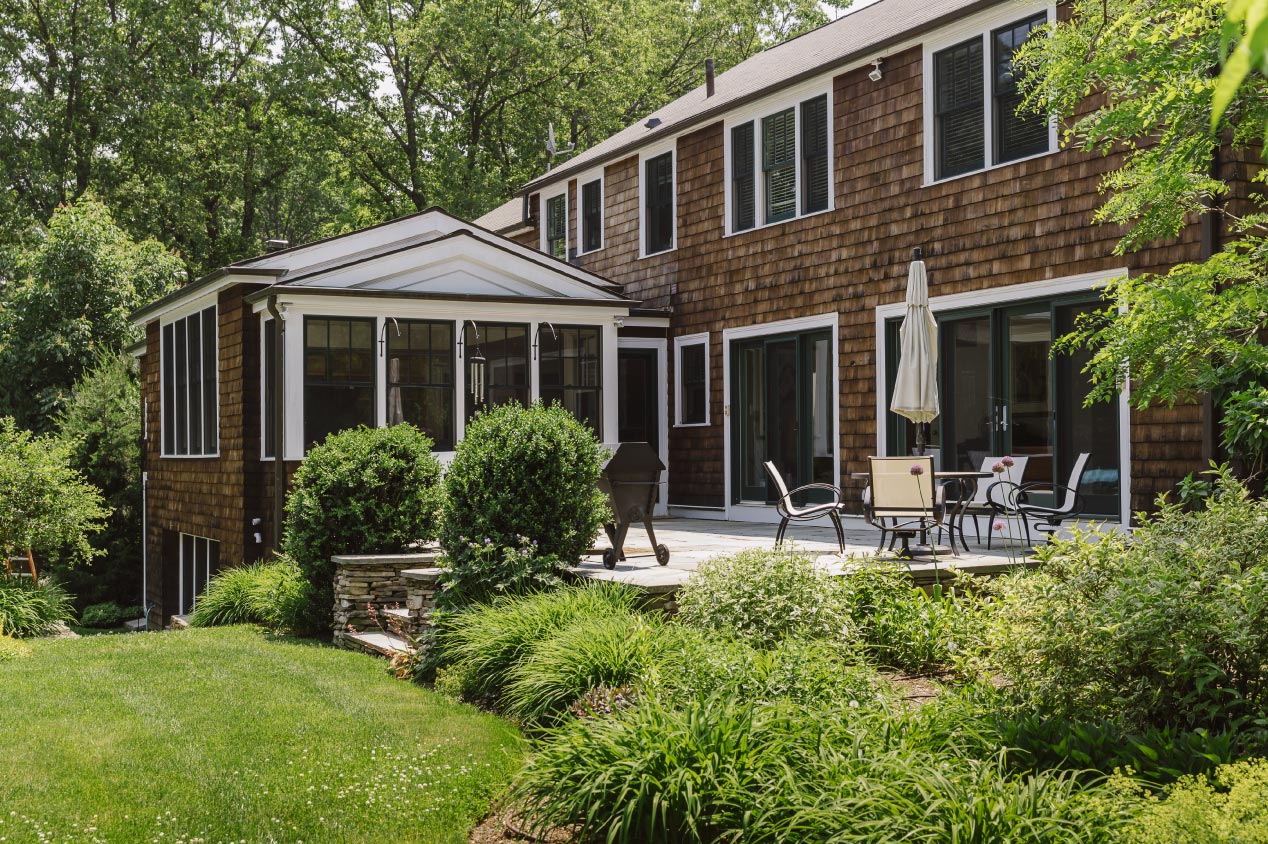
[(521, 476), (362, 491)]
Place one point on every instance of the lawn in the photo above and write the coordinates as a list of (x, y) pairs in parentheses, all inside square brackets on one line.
[(231, 734)]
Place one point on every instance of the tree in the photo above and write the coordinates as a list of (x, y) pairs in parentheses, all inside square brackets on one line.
[(70, 305), (49, 507)]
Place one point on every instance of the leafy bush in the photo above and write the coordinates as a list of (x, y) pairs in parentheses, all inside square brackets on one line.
[(29, 609), (1169, 628), (487, 641), (12, 648), (106, 614), (1229, 805), (487, 570), (520, 472), (260, 593), (559, 669), (763, 596), (362, 491)]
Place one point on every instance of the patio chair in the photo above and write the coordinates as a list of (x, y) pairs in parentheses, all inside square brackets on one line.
[(982, 505), (789, 511), (1015, 499), (902, 505)]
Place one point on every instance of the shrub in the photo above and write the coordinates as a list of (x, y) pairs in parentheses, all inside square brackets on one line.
[(362, 491), (559, 669), (12, 649), (486, 641), (106, 614), (486, 571), (30, 609), (765, 596), (520, 474), (1169, 628), (260, 593), (1229, 805)]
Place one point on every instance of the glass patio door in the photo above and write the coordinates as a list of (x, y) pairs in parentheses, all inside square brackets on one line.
[(781, 411)]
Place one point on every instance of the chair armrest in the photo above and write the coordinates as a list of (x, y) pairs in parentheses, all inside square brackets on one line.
[(1058, 490), (1008, 492), (836, 492)]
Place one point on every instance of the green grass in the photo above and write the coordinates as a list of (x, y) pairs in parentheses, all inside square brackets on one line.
[(229, 734)]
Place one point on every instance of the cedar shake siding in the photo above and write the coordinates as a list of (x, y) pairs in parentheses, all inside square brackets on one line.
[(1021, 222)]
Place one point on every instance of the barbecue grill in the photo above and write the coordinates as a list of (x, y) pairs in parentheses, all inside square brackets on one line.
[(631, 478)]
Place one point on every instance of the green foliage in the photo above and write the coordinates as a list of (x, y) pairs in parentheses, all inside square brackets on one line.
[(105, 614), (30, 609), (1169, 628), (362, 491), (612, 651), (1244, 427), (69, 306), (487, 570), (48, 506), (260, 593), (11, 648), (1246, 23), (520, 474), (1228, 805), (101, 423), (487, 641), (763, 596)]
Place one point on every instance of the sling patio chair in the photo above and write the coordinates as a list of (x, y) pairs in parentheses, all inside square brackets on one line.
[(790, 511), (982, 505), (1016, 500), (903, 500)]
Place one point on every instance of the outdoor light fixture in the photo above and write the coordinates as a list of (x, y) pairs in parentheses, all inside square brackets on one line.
[(538, 334), (383, 334), (475, 377), (875, 74)]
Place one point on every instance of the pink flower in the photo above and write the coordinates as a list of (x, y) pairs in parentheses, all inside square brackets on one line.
[(998, 526), (917, 469), (1007, 461), (997, 468)]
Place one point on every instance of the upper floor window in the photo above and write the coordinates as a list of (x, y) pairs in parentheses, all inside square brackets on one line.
[(556, 229), (962, 123), (591, 216), (420, 378), (570, 370), (792, 149), (658, 203), (691, 374), (190, 386), (338, 376)]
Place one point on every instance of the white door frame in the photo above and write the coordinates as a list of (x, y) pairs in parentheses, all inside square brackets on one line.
[(751, 512), (660, 345), (998, 296)]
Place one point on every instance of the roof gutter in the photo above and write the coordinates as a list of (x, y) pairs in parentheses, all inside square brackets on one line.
[(202, 285)]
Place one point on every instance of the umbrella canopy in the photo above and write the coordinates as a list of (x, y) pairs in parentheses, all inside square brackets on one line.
[(916, 388)]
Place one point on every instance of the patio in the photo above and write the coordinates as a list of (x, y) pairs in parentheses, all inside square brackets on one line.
[(691, 541)]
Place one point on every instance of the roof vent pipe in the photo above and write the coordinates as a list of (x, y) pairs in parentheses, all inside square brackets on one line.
[(708, 78)]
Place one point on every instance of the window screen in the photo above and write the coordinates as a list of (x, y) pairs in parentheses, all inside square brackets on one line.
[(420, 378), (779, 165), (338, 376), (570, 370), (1016, 135), (190, 384), (959, 116), (504, 377), (199, 560)]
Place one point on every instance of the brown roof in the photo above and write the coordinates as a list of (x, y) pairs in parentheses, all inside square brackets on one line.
[(860, 34)]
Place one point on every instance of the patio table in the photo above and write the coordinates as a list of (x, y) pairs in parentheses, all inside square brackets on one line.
[(965, 483)]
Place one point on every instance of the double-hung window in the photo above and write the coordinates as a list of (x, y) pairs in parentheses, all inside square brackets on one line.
[(971, 105), (658, 203), (781, 164), (591, 234), (691, 370), (556, 229), (190, 384), (338, 375), (420, 378), (570, 370)]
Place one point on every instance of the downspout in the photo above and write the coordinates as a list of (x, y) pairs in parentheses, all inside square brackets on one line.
[(279, 421)]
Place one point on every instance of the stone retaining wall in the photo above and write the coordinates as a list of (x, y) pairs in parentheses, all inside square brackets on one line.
[(378, 579)]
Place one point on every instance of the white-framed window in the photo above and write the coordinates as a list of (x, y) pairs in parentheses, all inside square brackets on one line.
[(199, 559), (268, 380), (657, 200), (779, 159), (691, 380), (190, 394), (555, 224), (590, 213), (971, 95)]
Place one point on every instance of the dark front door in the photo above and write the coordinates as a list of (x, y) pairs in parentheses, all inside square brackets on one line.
[(781, 412), (638, 400)]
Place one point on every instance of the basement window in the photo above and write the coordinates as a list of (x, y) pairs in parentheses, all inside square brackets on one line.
[(199, 560)]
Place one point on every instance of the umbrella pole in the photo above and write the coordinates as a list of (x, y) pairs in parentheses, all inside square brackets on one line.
[(920, 439)]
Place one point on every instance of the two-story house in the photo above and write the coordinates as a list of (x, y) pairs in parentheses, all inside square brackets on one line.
[(723, 279)]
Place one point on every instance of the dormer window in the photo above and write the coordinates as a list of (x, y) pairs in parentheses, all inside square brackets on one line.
[(590, 220), (555, 232)]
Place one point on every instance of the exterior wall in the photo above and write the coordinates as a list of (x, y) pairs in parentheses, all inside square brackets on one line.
[(1018, 223)]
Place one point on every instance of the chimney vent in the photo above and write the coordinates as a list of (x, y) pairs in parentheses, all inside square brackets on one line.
[(276, 245), (708, 78)]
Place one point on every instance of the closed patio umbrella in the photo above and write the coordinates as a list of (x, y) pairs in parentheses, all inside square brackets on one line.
[(916, 388)]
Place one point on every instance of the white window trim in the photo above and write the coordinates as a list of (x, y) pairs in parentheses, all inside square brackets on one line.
[(680, 343), (544, 245), (583, 180), (180, 557), (979, 25), (192, 308), (997, 296), (265, 409), (656, 151), (789, 98)]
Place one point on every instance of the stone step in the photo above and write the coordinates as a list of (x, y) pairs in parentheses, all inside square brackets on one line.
[(384, 644), (398, 612), (427, 575)]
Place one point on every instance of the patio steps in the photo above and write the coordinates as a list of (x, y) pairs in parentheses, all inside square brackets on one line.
[(397, 625), (382, 644)]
